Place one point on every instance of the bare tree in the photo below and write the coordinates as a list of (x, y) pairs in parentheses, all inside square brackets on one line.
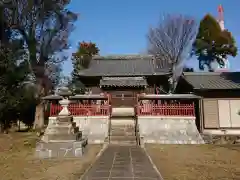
[(170, 43)]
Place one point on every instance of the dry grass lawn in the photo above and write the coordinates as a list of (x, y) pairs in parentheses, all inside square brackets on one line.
[(17, 161), (196, 162)]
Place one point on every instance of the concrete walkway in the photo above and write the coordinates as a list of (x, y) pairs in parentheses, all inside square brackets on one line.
[(122, 163)]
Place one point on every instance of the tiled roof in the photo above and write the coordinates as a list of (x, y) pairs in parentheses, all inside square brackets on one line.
[(52, 97), (122, 65), (123, 81), (213, 80), (169, 96)]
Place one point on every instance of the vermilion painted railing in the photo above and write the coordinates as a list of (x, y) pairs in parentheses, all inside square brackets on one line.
[(166, 110), (89, 110), (82, 109), (55, 109)]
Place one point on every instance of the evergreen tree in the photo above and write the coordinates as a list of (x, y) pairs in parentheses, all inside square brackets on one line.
[(12, 75), (212, 44)]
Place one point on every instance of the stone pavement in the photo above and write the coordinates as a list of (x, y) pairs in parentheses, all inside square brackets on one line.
[(122, 163)]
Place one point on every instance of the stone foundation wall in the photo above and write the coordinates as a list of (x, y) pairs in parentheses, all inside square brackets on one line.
[(169, 130), (221, 139), (95, 128), (233, 131)]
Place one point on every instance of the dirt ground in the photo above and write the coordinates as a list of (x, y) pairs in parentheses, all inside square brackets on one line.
[(196, 162), (17, 161)]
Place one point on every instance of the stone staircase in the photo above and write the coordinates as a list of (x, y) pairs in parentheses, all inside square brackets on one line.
[(61, 139), (122, 131)]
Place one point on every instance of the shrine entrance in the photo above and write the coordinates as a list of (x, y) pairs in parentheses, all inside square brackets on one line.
[(123, 90), (123, 98)]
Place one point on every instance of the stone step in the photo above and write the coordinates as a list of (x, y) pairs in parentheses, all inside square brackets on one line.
[(122, 130), (123, 118), (123, 111), (60, 130), (122, 133), (63, 124), (123, 142), (123, 122), (123, 138), (54, 137), (65, 119), (122, 127), (62, 127)]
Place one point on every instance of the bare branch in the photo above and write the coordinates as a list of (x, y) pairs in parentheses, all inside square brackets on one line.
[(171, 41)]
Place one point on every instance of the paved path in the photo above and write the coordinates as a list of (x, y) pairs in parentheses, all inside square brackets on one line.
[(122, 163)]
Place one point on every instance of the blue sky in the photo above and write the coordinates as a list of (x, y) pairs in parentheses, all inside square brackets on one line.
[(120, 27)]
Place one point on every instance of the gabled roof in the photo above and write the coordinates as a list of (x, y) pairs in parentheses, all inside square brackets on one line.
[(213, 80), (122, 65), (123, 81)]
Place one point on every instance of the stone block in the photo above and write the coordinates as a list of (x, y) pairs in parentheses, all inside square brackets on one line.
[(52, 121), (60, 149), (77, 145), (194, 142), (67, 119), (78, 152), (43, 153), (160, 141), (96, 141), (180, 142), (95, 128), (150, 141), (162, 137)]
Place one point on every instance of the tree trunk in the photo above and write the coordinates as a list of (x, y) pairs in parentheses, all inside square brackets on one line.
[(39, 112), (39, 116), (4, 127), (1, 127), (19, 125)]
